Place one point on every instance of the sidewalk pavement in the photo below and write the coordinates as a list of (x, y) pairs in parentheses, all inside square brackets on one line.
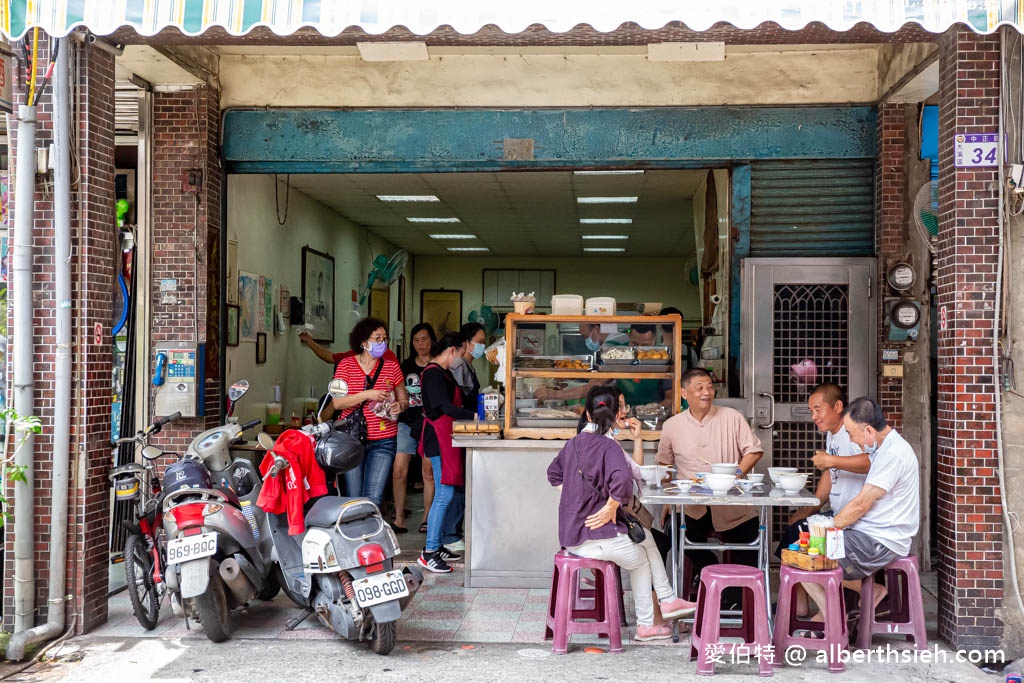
[(448, 630)]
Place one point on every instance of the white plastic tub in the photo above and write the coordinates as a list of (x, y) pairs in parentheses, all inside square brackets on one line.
[(566, 304), (600, 305)]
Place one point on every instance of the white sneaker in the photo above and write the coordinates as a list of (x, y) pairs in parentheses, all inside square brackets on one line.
[(458, 546)]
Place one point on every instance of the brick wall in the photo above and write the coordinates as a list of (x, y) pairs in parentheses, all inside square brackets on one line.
[(890, 237), (93, 254), (970, 522), (186, 239)]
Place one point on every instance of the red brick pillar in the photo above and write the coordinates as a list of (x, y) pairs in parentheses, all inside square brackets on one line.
[(890, 238), (187, 239), (969, 512), (94, 238)]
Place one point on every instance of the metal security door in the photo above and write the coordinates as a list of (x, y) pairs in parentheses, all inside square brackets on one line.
[(805, 321)]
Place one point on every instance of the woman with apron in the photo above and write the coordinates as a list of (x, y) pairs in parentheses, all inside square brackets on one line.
[(442, 405)]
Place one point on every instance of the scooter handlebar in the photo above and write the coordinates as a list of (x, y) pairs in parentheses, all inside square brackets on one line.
[(250, 424)]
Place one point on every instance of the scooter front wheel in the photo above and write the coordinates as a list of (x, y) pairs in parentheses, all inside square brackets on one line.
[(383, 637), (213, 611)]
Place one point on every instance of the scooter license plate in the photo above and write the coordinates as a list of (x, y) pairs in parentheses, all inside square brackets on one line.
[(188, 548), (373, 590)]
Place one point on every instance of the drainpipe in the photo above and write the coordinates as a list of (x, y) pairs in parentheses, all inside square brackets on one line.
[(55, 613)]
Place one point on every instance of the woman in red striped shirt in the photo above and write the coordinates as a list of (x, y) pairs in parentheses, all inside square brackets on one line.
[(376, 386)]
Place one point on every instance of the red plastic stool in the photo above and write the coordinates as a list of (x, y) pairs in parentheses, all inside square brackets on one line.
[(565, 610), (707, 629), (786, 620), (902, 578)]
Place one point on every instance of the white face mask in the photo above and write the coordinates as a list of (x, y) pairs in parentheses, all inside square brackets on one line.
[(870, 450), (456, 361)]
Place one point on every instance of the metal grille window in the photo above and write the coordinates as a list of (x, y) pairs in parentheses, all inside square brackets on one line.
[(793, 445), (811, 335)]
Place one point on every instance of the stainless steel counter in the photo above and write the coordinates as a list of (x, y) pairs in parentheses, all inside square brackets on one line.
[(511, 510)]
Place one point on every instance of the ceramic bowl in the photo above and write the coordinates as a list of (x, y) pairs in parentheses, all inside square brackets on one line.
[(723, 468), (720, 483), (755, 477), (653, 474), (774, 473), (745, 484), (792, 482)]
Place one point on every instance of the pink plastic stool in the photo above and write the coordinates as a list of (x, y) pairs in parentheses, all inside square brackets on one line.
[(786, 620), (565, 610), (707, 629), (903, 581)]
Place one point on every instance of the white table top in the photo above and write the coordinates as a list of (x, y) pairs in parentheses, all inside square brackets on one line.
[(761, 496)]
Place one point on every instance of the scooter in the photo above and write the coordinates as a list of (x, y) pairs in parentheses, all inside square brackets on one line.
[(342, 567), (219, 543)]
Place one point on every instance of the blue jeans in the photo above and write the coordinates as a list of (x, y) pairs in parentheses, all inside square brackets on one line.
[(371, 477), (445, 512)]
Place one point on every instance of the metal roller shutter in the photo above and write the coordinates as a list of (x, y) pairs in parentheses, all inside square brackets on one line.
[(812, 208)]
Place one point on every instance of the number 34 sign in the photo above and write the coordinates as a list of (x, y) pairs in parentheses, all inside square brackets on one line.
[(974, 150)]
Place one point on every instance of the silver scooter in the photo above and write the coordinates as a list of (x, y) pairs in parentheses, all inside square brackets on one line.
[(219, 541), (342, 567)]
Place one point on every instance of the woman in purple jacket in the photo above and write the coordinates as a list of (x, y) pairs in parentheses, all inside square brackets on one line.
[(588, 523)]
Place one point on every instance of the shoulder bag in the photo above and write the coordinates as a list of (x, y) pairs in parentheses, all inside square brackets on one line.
[(355, 423), (634, 529)]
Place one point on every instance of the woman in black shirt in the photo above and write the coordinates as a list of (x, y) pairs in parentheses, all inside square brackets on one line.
[(410, 423)]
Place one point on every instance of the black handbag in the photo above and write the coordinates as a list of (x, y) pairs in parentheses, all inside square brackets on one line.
[(355, 424), (634, 529)]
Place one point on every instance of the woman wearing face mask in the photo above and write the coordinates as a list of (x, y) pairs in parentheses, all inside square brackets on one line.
[(410, 425), (442, 405), (594, 476), (464, 373), (377, 387)]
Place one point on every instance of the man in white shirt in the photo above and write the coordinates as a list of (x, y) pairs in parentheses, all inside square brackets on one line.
[(881, 521), (844, 466)]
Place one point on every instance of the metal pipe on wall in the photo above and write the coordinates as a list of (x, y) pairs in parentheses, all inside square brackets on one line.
[(24, 385), (56, 602)]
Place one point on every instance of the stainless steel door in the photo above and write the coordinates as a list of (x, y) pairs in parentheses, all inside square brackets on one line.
[(805, 321)]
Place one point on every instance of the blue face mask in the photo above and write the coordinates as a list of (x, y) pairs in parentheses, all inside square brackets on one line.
[(478, 350), (615, 431), (870, 450), (592, 344), (377, 349)]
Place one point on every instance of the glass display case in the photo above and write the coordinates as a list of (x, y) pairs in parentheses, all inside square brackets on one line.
[(552, 361)]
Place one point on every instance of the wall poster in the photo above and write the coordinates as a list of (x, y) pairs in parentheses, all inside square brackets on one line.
[(318, 293)]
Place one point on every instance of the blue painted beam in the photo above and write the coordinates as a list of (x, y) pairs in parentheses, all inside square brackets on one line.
[(739, 218), (383, 141)]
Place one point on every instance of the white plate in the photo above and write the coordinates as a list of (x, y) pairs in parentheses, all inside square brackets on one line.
[(373, 590), (185, 548)]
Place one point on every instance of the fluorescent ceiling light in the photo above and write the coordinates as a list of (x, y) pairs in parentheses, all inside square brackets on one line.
[(713, 51), (612, 221), (625, 171), (408, 198), (397, 51), (618, 250), (606, 237), (468, 249), (452, 237), (433, 219), (606, 200)]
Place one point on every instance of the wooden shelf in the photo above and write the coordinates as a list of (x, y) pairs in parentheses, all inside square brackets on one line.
[(565, 433), (592, 374)]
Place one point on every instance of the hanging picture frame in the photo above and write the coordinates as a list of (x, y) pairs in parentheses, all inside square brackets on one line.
[(442, 308), (261, 348), (318, 293), (232, 332)]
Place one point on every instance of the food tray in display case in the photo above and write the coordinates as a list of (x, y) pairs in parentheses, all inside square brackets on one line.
[(638, 368), (555, 363), (546, 417), (653, 355), (548, 423), (618, 355)]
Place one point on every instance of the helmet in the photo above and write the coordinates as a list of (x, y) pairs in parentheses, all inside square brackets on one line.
[(339, 452), (186, 474)]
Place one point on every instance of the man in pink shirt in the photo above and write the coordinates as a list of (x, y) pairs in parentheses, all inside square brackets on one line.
[(705, 433)]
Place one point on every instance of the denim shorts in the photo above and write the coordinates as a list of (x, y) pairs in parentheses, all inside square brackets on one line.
[(406, 444)]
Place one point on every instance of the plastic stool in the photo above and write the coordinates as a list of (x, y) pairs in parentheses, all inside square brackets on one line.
[(902, 578), (564, 609), (786, 620), (707, 629), (581, 610)]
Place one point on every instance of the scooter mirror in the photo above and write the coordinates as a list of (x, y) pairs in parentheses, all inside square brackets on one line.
[(338, 388), (238, 389), (265, 440), (151, 452)]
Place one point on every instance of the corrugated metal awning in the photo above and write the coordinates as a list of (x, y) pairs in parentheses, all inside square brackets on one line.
[(331, 17)]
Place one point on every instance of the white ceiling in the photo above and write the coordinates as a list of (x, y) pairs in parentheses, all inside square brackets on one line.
[(517, 213)]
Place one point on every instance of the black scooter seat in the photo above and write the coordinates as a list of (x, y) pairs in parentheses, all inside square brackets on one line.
[(325, 511)]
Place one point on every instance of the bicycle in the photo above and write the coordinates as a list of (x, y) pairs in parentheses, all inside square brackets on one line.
[(145, 546)]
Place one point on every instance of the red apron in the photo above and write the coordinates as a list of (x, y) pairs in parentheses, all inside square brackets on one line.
[(453, 465)]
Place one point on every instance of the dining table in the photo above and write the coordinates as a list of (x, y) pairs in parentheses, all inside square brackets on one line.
[(762, 497)]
